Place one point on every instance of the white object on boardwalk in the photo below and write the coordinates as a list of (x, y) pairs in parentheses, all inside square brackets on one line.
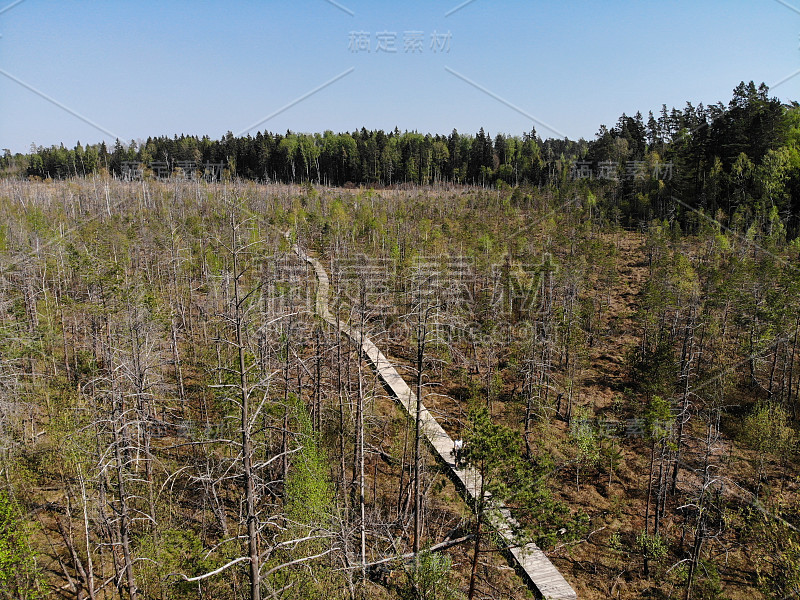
[(540, 572)]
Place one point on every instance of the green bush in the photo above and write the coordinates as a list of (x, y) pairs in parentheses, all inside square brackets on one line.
[(20, 577), (430, 579)]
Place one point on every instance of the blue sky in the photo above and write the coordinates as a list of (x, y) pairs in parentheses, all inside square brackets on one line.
[(135, 69)]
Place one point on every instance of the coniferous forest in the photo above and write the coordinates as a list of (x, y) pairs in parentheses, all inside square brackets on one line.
[(611, 327), (711, 157)]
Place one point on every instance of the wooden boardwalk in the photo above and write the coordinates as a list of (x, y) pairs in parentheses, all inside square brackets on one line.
[(537, 568)]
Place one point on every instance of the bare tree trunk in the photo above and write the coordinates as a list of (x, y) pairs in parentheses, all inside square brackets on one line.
[(360, 458), (124, 511), (64, 338), (340, 394), (647, 506), (773, 368), (474, 570), (247, 451), (178, 368), (687, 356), (421, 332), (317, 401), (791, 369), (403, 467), (86, 534), (660, 488)]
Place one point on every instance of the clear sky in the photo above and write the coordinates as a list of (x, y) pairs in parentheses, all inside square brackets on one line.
[(139, 68)]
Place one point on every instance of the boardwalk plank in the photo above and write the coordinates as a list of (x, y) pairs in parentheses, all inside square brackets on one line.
[(541, 574)]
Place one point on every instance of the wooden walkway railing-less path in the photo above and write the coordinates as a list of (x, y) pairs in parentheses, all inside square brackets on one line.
[(539, 571)]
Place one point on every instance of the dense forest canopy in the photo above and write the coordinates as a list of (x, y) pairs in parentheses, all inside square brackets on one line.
[(743, 154)]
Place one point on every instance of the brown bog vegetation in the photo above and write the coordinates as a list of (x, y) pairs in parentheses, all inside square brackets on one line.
[(176, 422)]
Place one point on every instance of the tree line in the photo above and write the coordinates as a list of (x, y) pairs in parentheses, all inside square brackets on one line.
[(740, 155)]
